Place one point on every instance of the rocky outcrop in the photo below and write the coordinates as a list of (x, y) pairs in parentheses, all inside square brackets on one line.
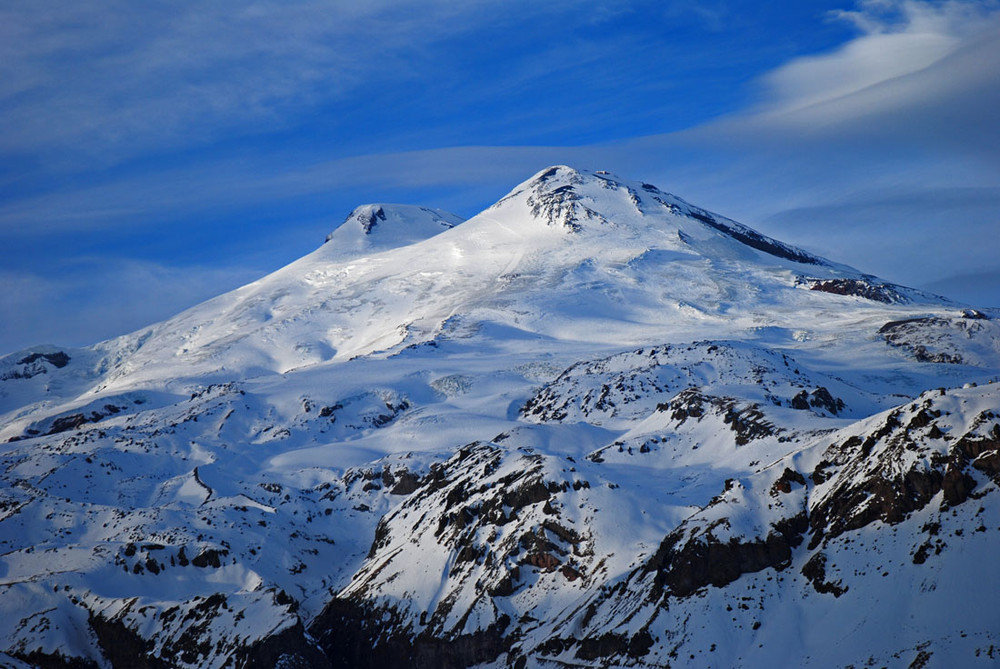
[(815, 572), (971, 338), (820, 398), (560, 206), (490, 520), (898, 468), (200, 632), (746, 420), (356, 635), (636, 383), (683, 565), (123, 647), (35, 364), (754, 239), (868, 288), (290, 648)]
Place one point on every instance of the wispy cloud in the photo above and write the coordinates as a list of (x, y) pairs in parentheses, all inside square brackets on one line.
[(919, 74), (898, 38), (118, 78)]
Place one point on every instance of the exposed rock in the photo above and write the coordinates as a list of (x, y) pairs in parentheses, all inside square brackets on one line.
[(857, 503), (785, 481), (866, 288), (874, 485), (209, 557), (819, 398), (406, 483), (754, 239), (815, 571), (356, 636), (37, 658), (76, 420), (943, 339), (592, 648), (58, 359), (683, 567), (290, 648), (921, 660), (989, 464), (369, 222), (122, 646), (34, 364), (569, 572)]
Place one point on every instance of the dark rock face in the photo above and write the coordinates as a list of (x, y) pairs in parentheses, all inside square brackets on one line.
[(857, 504), (406, 483), (122, 646), (183, 632), (58, 359), (941, 339), (907, 334), (785, 481), (54, 661), (369, 222), (34, 364), (679, 380), (356, 636), (866, 288), (560, 206), (607, 644), (76, 420), (209, 558), (754, 239), (602, 647), (746, 420), (872, 486), (683, 567), (989, 464), (497, 515), (749, 423), (815, 571), (290, 648), (820, 398)]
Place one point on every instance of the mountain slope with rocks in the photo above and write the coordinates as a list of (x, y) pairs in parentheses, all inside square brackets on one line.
[(593, 425)]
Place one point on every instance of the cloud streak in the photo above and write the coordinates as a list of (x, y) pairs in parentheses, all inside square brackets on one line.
[(114, 80), (899, 38), (921, 75)]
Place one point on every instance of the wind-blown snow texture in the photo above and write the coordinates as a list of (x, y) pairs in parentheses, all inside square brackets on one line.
[(593, 425)]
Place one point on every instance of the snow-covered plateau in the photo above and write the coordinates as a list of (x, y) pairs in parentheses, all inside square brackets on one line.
[(592, 426)]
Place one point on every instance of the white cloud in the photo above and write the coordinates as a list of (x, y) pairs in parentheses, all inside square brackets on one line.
[(911, 56)]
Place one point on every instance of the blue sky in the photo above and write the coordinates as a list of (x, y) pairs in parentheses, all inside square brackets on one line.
[(155, 154)]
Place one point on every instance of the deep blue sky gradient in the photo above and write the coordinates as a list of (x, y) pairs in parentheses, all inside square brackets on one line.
[(156, 154)]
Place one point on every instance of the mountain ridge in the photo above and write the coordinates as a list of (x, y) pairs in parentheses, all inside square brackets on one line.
[(592, 425)]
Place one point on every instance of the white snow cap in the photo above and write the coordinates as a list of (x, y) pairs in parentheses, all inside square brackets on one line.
[(371, 228)]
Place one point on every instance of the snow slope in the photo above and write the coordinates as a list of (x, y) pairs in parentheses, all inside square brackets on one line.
[(592, 425)]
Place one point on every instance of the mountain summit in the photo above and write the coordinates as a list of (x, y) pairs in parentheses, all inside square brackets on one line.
[(566, 254), (372, 228), (592, 425)]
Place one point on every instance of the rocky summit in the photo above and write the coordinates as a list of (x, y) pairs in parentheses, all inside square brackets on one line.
[(593, 425)]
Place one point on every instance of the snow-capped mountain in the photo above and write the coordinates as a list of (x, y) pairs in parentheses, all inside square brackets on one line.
[(372, 228), (593, 425)]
